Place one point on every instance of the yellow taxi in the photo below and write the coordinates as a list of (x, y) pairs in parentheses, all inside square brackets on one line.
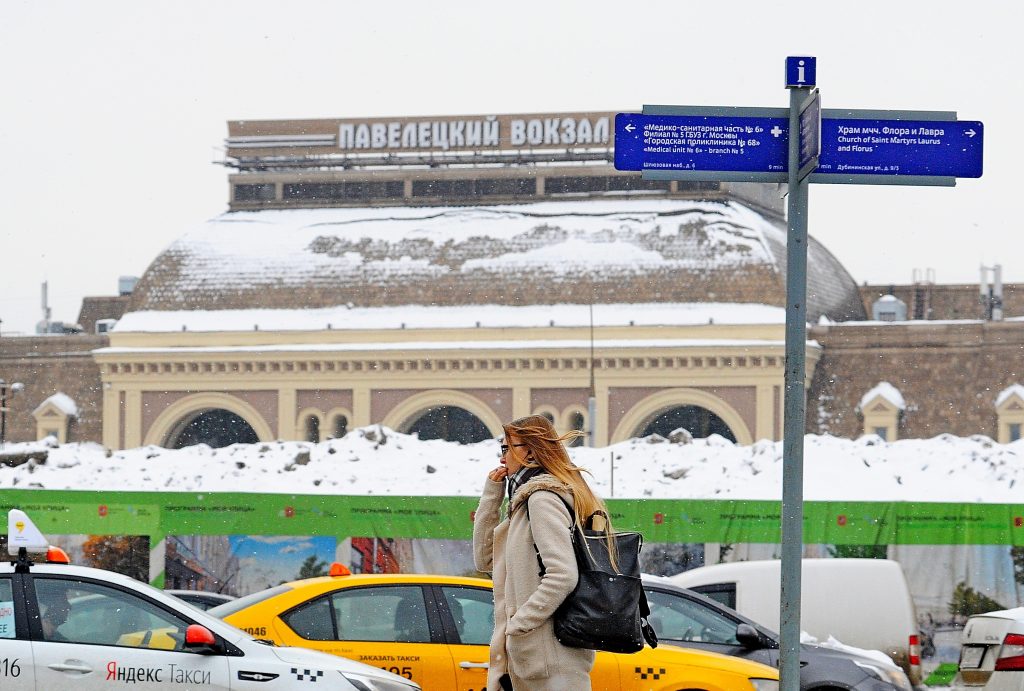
[(435, 631)]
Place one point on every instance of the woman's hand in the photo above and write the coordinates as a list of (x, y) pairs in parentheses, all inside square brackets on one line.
[(498, 474)]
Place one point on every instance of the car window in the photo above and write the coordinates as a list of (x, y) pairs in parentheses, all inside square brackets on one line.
[(6, 608), (679, 618), (81, 612), (395, 614), (720, 592), (312, 620), (473, 612)]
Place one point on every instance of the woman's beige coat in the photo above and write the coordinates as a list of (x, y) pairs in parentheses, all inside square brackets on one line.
[(523, 644)]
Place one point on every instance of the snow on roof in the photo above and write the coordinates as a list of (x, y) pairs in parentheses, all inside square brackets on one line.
[(943, 469), (577, 251), (1011, 390), (62, 401), (451, 317), (886, 391)]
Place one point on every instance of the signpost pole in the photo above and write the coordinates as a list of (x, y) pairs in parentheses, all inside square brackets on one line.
[(795, 403)]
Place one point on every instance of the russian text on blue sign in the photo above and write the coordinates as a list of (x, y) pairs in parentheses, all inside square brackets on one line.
[(902, 147), (673, 142), (801, 71), (759, 144)]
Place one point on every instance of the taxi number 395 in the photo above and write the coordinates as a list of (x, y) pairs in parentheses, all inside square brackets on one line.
[(10, 668)]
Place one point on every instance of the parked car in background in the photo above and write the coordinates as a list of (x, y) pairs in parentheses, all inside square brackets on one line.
[(76, 627), (203, 599), (435, 630), (864, 603), (688, 619), (982, 645)]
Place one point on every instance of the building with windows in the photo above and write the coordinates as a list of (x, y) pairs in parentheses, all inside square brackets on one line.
[(442, 275)]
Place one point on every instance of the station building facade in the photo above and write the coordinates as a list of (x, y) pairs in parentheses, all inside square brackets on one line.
[(442, 275)]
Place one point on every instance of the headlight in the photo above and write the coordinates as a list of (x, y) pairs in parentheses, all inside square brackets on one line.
[(765, 684), (370, 682), (893, 675)]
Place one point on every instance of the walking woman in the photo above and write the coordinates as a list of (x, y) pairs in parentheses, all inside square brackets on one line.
[(524, 654)]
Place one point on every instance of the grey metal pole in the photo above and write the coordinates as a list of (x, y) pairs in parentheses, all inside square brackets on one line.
[(795, 406)]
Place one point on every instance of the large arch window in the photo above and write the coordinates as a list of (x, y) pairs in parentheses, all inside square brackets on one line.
[(699, 422), (450, 423), (654, 414), (216, 428)]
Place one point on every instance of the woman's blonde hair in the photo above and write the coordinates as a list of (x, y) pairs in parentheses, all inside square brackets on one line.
[(545, 449)]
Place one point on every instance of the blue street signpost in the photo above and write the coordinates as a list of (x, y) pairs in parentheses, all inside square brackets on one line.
[(831, 146), (751, 144)]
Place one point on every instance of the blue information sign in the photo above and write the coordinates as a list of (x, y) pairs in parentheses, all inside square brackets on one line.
[(849, 146), (801, 72), (901, 147), (696, 142)]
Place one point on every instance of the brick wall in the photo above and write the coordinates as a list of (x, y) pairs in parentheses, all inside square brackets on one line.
[(945, 301), (46, 365), (949, 375)]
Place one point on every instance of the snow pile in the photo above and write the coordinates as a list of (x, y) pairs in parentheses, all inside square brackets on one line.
[(378, 461)]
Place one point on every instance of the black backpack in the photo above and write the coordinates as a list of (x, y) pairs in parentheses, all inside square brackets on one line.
[(608, 609)]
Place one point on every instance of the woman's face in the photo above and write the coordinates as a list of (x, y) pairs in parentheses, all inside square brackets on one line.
[(516, 454)]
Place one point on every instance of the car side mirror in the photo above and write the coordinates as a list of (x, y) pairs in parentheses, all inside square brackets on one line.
[(748, 637), (200, 639)]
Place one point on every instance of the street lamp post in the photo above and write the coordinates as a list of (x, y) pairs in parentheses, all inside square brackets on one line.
[(14, 388)]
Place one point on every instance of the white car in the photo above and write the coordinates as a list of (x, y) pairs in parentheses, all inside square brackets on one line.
[(993, 649), (64, 626)]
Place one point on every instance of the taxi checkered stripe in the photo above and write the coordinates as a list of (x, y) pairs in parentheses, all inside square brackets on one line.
[(307, 674), (650, 673)]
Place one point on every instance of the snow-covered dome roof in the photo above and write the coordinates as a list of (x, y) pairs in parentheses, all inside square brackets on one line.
[(574, 252)]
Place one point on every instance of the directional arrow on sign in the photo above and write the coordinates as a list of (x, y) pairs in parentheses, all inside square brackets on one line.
[(629, 127), (970, 133)]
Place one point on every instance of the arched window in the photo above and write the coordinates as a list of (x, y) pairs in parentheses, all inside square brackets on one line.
[(578, 422), (699, 422), (339, 426), (311, 428), (217, 428), (451, 424)]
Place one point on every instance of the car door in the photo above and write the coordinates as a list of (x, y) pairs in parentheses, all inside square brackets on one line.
[(679, 620), (17, 670), (468, 618), (87, 634), (390, 626)]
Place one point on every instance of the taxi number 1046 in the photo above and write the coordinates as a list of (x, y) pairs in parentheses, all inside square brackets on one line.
[(10, 668), (402, 672)]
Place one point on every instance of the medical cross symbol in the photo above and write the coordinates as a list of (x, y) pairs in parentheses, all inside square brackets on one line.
[(776, 131), (649, 673), (307, 674)]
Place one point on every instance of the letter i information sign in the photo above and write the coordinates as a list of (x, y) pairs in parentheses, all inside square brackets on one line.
[(798, 145)]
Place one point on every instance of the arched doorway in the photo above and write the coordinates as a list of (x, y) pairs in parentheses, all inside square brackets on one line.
[(450, 423), (700, 422), (215, 427)]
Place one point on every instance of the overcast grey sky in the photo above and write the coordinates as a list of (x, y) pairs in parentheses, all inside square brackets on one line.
[(115, 111)]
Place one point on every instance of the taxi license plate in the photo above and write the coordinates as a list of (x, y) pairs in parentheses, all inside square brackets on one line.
[(971, 657)]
